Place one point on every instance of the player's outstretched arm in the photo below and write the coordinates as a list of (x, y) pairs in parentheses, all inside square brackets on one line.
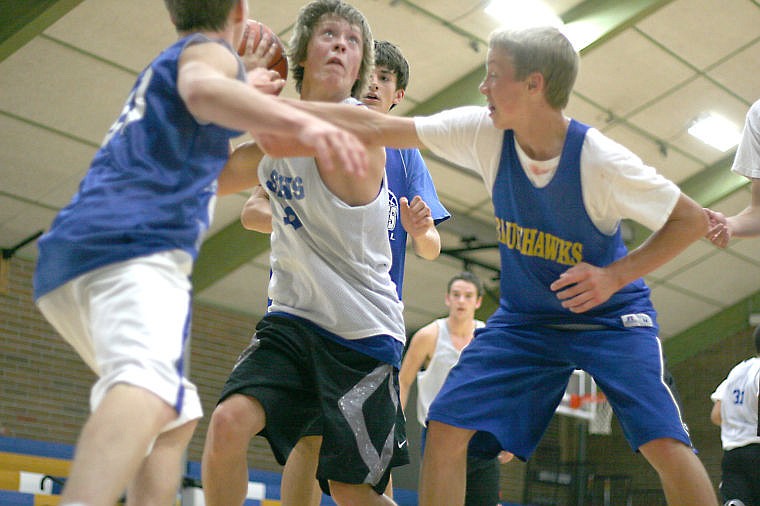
[(211, 93), (417, 221), (747, 222), (373, 128), (585, 286)]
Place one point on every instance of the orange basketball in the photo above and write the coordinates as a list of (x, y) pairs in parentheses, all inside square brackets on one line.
[(256, 29)]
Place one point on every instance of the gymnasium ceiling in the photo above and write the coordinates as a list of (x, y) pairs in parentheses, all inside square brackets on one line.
[(650, 67)]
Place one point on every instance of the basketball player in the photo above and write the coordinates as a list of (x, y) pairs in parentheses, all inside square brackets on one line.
[(436, 348), (573, 296), (746, 163), (414, 210), (735, 412), (327, 348), (112, 274)]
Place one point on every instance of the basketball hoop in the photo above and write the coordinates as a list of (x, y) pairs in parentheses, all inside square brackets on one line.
[(601, 421)]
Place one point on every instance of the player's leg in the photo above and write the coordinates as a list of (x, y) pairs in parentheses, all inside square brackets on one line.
[(224, 466), (135, 316), (740, 475), (509, 407), (157, 481), (684, 478), (113, 443), (628, 366), (359, 400), (299, 485), (444, 465), (266, 389)]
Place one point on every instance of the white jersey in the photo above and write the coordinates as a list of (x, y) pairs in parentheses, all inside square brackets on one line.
[(430, 381), (330, 261), (738, 405), (615, 182), (747, 160)]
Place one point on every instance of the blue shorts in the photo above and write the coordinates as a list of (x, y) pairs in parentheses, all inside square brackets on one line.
[(509, 381)]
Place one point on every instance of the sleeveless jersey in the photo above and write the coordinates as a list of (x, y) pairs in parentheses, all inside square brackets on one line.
[(739, 403), (407, 177), (150, 186), (330, 261), (544, 231), (430, 381)]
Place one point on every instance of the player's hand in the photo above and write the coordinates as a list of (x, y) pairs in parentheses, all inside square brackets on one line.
[(262, 55), (505, 456), (416, 217), (718, 231), (335, 148), (266, 81), (584, 286)]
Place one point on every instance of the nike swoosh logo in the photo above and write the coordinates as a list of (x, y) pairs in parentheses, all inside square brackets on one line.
[(402, 443)]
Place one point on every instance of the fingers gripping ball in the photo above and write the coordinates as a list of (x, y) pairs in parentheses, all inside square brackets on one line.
[(257, 29)]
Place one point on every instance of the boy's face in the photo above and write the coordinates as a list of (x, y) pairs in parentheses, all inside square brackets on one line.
[(382, 93), (506, 96), (462, 299), (334, 55)]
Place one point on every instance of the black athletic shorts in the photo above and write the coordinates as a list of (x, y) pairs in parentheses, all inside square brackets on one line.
[(740, 476), (299, 377)]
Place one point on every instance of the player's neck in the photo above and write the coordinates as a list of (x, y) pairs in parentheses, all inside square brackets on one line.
[(461, 326), (543, 137), (313, 93)]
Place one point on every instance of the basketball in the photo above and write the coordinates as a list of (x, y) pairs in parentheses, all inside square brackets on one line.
[(257, 29)]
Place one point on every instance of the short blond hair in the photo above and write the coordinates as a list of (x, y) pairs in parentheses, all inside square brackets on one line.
[(308, 17), (545, 50)]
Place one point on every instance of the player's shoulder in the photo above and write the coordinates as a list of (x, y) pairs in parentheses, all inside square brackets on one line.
[(428, 332)]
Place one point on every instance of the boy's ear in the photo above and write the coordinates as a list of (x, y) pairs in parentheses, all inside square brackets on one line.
[(535, 80), (398, 96)]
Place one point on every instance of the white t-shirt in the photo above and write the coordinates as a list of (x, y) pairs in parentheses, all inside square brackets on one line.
[(738, 405), (747, 160), (616, 183)]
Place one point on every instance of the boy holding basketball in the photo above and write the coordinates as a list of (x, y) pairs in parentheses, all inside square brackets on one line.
[(574, 297), (113, 271), (414, 211), (327, 349)]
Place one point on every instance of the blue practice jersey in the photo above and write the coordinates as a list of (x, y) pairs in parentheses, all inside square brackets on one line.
[(542, 232), (407, 177), (150, 187)]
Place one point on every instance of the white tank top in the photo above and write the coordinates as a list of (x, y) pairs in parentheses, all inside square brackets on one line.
[(330, 261), (430, 381), (738, 405)]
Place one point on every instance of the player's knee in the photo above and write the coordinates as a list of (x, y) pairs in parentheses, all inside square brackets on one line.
[(233, 421), (734, 502), (347, 494)]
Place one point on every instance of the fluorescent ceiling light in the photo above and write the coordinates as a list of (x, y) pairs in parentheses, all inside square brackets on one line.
[(522, 13), (716, 131)]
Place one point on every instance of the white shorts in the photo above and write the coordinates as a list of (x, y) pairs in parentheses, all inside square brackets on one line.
[(129, 322)]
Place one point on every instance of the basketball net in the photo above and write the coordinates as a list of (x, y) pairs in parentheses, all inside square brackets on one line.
[(601, 421)]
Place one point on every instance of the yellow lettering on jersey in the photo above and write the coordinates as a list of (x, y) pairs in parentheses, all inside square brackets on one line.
[(538, 250), (534, 242), (529, 241)]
